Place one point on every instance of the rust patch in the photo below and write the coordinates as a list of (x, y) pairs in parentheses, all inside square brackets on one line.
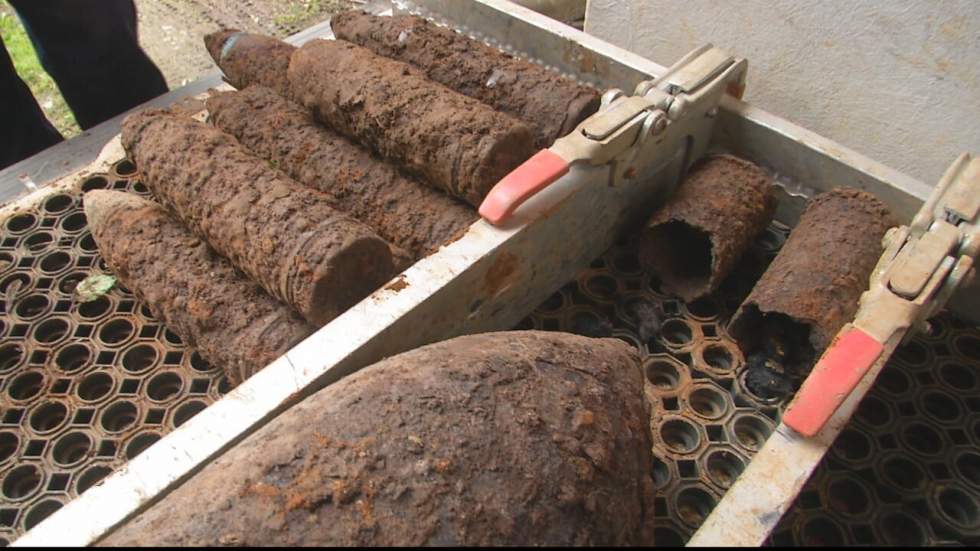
[(404, 210), (398, 284), (296, 501), (500, 273), (321, 439), (262, 489), (395, 109), (443, 466), (367, 513)]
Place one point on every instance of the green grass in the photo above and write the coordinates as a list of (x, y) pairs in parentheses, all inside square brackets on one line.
[(29, 68)]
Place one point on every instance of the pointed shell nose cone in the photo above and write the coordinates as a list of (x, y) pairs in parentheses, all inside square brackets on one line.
[(101, 204), (216, 40)]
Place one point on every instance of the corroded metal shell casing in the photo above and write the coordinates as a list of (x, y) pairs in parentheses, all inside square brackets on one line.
[(812, 287), (454, 142), (282, 234), (403, 210), (549, 103), (199, 295), (540, 437), (695, 240)]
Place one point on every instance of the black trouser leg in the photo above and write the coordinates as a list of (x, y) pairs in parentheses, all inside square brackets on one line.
[(91, 49), (23, 128)]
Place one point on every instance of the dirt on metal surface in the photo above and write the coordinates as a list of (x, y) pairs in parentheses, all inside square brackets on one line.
[(231, 321), (697, 238), (455, 142), (549, 103), (403, 210), (502, 438), (282, 234), (812, 287)]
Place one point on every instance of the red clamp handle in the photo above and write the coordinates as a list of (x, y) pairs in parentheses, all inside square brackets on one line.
[(832, 380), (521, 184)]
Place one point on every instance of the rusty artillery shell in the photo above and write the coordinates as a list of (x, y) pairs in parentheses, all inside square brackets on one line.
[(812, 287), (247, 58), (282, 234), (540, 438), (695, 240), (199, 295), (549, 103), (401, 209), (454, 142)]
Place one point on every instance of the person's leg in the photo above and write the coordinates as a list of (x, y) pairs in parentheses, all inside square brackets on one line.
[(91, 49), (23, 128)]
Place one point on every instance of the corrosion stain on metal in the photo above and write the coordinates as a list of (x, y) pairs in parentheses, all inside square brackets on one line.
[(285, 236), (402, 209), (396, 110), (587, 61), (500, 273), (397, 284), (197, 293)]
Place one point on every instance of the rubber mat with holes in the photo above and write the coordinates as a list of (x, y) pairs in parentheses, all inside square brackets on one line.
[(906, 470), (84, 386)]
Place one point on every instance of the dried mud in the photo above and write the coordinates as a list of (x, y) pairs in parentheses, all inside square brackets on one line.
[(697, 238), (406, 212), (282, 234), (812, 287), (512, 438), (549, 103), (454, 142), (199, 295)]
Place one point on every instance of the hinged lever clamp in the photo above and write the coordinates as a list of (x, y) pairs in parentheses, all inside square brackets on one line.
[(922, 266), (621, 131)]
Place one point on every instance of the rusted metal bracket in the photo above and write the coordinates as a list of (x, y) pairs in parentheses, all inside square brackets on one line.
[(922, 266), (628, 132)]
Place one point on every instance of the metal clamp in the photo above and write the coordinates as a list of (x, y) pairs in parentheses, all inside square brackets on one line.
[(922, 266), (625, 129)]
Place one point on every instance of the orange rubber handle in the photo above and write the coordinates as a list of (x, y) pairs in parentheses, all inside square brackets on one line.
[(521, 184), (832, 380)]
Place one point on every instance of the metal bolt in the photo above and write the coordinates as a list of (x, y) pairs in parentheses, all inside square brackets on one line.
[(658, 123)]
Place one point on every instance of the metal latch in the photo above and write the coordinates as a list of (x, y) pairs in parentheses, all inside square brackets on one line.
[(621, 131), (922, 266)]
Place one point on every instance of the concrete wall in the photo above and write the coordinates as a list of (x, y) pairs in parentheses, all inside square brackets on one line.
[(897, 80)]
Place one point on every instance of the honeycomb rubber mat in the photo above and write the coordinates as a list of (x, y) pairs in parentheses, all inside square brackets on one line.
[(906, 469), (84, 386)]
